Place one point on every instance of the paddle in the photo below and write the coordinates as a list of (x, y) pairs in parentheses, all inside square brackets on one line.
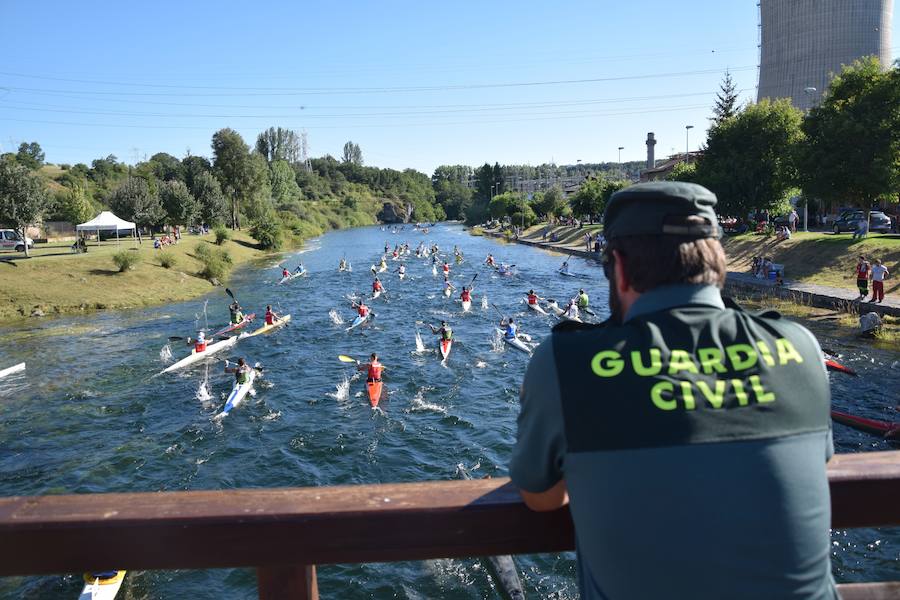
[(257, 367), (230, 293), (833, 365), (349, 359)]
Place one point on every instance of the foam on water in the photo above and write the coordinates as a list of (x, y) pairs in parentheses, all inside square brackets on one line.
[(497, 344), (341, 392), (420, 345), (335, 317), (165, 354), (484, 303), (418, 404)]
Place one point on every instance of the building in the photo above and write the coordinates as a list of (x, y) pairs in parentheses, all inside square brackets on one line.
[(665, 166), (804, 42)]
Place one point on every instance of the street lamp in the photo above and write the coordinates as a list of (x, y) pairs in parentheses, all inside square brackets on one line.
[(810, 92), (620, 153), (687, 142)]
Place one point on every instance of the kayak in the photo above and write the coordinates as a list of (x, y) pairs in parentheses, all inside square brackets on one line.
[(101, 586), (516, 343), (267, 328), (238, 393), (402, 276), (556, 310), (536, 308), (13, 369), (194, 357), (569, 273), (466, 304), (359, 320), (447, 292), (376, 294), (235, 326), (434, 270), (382, 268), (446, 345), (374, 389), (885, 429), (292, 276)]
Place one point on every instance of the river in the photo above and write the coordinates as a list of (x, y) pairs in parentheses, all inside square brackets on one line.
[(88, 415)]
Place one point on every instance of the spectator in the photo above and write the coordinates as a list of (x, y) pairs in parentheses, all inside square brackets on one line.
[(879, 273), (862, 229), (587, 240), (766, 267), (792, 220), (862, 276)]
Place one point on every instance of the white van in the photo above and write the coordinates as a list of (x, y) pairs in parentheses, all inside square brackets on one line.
[(11, 240)]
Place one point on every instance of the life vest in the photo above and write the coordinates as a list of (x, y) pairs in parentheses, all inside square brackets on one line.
[(237, 317), (376, 286), (242, 375), (511, 331), (270, 317), (582, 301), (532, 299), (375, 369), (446, 268), (466, 296), (446, 333), (363, 310), (285, 273), (200, 346)]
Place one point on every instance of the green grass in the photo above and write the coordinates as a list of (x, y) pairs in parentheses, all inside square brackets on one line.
[(820, 258), (57, 281)]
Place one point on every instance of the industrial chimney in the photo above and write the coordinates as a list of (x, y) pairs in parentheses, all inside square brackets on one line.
[(651, 157)]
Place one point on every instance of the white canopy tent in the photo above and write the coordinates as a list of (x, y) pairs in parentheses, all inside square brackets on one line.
[(107, 221)]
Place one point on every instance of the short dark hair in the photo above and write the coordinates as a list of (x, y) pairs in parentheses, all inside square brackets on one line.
[(652, 261)]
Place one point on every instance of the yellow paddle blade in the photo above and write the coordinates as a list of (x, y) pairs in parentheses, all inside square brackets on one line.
[(345, 358)]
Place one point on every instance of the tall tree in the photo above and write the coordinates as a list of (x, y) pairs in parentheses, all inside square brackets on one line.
[(74, 204), (134, 201), (726, 101), (193, 166), (590, 199), (23, 197), (852, 148), (179, 204), (234, 169), (30, 155), (283, 182), (498, 180), (352, 154), (550, 202), (749, 159), (213, 207), (166, 167), (276, 143)]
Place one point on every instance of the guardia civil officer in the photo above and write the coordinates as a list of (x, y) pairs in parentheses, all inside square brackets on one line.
[(688, 437)]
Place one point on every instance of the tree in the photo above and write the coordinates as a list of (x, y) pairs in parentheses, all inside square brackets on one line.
[(283, 183), (590, 199), (683, 171), (179, 204), (74, 204), (193, 166), (453, 196), (166, 167), (852, 148), (749, 158), (726, 101), (212, 205), (352, 154), (235, 170), (550, 202), (23, 197), (276, 143), (133, 200), (30, 155)]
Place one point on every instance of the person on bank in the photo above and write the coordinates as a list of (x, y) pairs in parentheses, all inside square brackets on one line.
[(682, 420)]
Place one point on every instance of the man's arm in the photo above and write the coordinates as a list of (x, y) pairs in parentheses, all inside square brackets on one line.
[(555, 497)]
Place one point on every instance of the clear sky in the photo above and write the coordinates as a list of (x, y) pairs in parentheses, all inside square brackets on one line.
[(415, 84)]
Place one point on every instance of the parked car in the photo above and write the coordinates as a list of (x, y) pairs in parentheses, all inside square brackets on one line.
[(849, 221), (11, 240)]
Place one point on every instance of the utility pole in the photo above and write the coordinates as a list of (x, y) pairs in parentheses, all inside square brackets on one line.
[(687, 142)]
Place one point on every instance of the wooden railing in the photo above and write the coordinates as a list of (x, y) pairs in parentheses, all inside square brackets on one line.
[(283, 533)]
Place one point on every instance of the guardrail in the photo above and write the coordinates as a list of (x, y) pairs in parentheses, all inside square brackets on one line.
[(283, 533)]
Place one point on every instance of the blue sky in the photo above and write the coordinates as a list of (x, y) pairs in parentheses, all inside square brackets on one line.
[(415, 84)]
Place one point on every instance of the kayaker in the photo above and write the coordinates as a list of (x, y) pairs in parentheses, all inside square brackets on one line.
[(285, 274), (448, 287), (387, 247), (236, 315), (271, 316), (241, 371), (383, 264), (532, 297), (373, 368), (489, 261), (582, 300), (434, 259), (376, 286), (402, 270), (697, 400), (299, 268), (200, 342), (466, 295), (572, 310), (445, 331), (361, 309), (565, 266), (343, 265), (510, 329), (446, 268)]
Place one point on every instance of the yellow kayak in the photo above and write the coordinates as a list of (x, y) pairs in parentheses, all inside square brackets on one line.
[(267, 328)]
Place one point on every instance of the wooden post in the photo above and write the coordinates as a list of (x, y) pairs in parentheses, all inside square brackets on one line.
[(291, 582)]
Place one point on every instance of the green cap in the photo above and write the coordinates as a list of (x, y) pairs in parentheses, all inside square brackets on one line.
[(660, 207)]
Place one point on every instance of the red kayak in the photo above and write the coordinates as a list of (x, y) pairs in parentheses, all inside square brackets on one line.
[(236, 326), (374, 389), (445, 348), (885, 429)]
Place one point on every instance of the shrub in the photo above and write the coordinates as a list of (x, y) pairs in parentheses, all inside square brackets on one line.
[(268, 233), (222, 234), (125, 260), (167, 260), (202, 250), (216, 266)]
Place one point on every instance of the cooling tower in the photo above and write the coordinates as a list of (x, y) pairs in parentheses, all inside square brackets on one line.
[(804, 42)]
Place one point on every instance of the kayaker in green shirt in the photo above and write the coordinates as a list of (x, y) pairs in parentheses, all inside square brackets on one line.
[(236, 314), (445, 331), (241, 371), (582, 300)]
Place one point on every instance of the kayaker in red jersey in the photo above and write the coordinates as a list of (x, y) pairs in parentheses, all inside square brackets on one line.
[(466, 295), (489, 260), (446, 268), (373, 368), (285, 272), (376, 286), (271, 316), (362, 309), (532, 297), (200, 342)]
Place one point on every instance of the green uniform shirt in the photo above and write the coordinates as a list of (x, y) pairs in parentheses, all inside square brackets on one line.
[(692, 439)]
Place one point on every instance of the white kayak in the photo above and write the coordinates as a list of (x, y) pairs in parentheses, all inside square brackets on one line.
[(359, 320), (376, 294), (98, 587), (569, 273), (562, 314), (238, 393), (536, 307), (292, 276), (382, 268), (402, 276), (516, 343), (466, 304), (447, 292), (13, 369), (198, 356), (434, 270)]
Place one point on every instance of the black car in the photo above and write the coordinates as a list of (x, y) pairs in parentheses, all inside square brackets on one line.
[(849, 221)]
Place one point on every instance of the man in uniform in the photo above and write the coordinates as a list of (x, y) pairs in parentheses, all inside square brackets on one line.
[(688, 437)]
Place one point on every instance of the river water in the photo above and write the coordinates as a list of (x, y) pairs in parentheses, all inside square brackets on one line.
[(88, 415)]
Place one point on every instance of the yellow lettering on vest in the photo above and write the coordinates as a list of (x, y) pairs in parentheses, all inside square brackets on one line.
[(742, 356), (787, 352), (765, 353), (656, 394), (681, 361), (715, 398), (607, 363), (687, 395), (739, 392), (762, 396), (711, 360), (655, 363)]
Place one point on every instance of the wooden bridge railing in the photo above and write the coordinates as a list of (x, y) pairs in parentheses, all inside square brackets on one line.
[(283, 533)]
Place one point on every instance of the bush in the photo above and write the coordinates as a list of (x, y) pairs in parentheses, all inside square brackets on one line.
[(202, 250), (216, 266), (222, 234), (167, 260), (268, 233), (125, 260)]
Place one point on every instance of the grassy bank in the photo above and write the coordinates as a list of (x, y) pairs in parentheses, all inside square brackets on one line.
[(820, 258), (55, 281)]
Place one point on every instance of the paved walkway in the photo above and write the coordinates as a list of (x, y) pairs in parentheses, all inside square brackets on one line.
[(823, 296)]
